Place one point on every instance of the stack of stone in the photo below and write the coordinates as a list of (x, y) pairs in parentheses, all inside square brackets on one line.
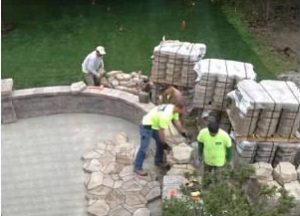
[(265, 109), (265, 151), (112, 186), (283, 175), (173, 62), (129, 82), (217, 77), (180, 157)]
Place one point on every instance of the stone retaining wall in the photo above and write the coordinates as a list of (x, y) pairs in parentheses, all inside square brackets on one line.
[(42, 101)]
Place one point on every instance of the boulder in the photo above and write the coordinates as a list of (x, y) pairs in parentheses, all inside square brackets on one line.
[(263, 171), (285, 172), (182, 153)]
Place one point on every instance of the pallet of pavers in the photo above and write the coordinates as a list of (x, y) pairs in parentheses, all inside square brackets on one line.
[(269, 110), (173, 62), (265, 151), (216, 78)]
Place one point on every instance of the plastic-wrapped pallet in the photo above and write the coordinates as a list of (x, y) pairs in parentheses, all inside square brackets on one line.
[(245, 152), (286, 97), (267, 108), (285, 152), (174, 61), (246, 104), (265, 152), (217, 77)]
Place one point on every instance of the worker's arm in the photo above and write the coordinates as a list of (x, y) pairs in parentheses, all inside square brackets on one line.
[(228, 148), (200, 148), (228, 153), (179, 127)]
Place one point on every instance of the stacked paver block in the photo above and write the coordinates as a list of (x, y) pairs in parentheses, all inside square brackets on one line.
[(265, 151), (112, 186), (173, 62), (268, 108), (217, 77), (7, 108), (267, 114)]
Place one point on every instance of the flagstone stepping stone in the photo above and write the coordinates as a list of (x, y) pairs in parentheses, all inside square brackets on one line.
[(96, 180), (98, 208), (92, 166), (142, 212)]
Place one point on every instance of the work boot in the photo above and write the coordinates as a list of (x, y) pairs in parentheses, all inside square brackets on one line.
[(141, 172)]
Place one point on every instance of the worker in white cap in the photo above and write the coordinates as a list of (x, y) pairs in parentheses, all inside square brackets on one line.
[(93, 67)]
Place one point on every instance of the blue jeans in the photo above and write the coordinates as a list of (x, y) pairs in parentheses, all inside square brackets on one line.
[(145, 135)]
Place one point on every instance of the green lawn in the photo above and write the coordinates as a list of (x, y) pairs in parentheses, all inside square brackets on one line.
[(52, 38)]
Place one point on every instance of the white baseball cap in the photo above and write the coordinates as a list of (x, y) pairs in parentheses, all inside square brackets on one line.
[(101, 50)]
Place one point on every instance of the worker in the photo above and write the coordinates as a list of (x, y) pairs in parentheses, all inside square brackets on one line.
[(93, 67), (172, 95), (153, 125), (215, 148)]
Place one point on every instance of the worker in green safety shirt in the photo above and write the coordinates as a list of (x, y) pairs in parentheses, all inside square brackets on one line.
[(214, 147)]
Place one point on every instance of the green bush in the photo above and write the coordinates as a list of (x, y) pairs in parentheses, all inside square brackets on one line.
[(227, 197)]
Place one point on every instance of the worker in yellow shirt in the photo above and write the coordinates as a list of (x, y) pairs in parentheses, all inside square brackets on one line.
[(214, 147), (153, 125)]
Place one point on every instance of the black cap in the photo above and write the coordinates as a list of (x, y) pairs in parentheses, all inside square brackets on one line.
[(213, 127)]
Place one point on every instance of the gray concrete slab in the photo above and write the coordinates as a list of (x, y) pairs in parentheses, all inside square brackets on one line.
[(41, 166)]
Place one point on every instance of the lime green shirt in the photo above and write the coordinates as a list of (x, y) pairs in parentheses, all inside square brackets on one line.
[(214, 147), (160, 116)]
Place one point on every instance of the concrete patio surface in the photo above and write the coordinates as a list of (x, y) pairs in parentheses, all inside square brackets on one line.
[(41, 162)]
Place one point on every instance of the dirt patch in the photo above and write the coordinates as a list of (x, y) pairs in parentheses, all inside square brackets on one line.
[(282, 38)]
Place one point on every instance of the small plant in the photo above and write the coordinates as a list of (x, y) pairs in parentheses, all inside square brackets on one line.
[(226, 197)]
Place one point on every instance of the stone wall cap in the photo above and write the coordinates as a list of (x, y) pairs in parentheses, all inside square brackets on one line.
[(51, 90), (6, 87), (118, 94)]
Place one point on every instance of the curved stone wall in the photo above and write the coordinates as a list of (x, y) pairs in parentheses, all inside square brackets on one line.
[(42, 101)]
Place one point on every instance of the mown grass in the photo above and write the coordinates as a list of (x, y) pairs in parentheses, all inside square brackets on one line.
[(52, 38)]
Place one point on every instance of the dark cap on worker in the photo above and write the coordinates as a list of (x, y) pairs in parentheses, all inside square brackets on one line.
[(213, 127)]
